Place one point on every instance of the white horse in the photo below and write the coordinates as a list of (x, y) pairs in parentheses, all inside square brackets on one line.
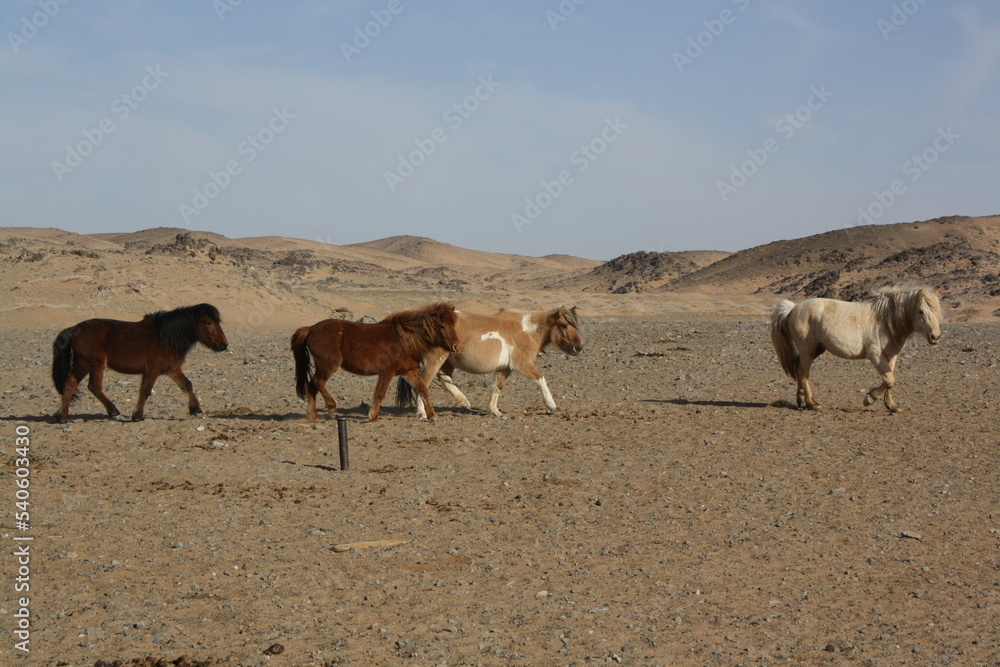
[(875, 329), (499, 344)]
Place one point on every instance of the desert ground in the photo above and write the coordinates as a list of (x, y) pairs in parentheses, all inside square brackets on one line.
[(676, 509)]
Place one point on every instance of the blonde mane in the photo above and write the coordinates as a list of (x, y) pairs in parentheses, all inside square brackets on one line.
[(893, 305)]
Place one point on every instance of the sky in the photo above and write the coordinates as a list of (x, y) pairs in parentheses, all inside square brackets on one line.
[(583, 127)]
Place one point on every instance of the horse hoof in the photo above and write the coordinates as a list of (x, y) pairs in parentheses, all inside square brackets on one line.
[(135, 418)]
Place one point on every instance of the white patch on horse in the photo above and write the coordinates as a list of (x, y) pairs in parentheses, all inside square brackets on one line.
[(506, 355), (527, 324)]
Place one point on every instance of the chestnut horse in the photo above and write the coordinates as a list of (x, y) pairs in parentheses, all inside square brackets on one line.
[(875, 329), (500, 344), (394, 346), (152, 347)]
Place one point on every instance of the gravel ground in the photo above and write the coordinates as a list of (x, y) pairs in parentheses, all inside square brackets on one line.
[(675, 510)]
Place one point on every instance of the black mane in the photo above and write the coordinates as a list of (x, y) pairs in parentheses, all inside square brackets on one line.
[(178, 328)]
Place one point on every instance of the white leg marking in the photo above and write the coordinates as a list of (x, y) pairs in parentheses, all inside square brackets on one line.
[(546, 394), (421, 412), (494, 399), (455, 392)]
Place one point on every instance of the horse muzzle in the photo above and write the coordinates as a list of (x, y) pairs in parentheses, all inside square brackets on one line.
[(934, 340), (456, 349), (221, 347), (575, 350)]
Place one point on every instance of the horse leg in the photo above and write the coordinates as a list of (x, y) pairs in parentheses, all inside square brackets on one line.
[(417, 380), (428, 369), (890, 380), (382, 386), (145, 391), (444, 377), (885, 368), (532, 372), (805, 395), (499, 380), (72, 382), (185, 384), (96, 387), (318, 385)]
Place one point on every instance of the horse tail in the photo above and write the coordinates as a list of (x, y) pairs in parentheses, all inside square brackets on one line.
[(406, 395), (303, 361), (62, 359), (781, 340)]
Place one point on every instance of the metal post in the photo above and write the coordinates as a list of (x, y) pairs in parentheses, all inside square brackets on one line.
[(342, 437)]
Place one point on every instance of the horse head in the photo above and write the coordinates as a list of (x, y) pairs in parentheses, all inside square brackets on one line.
[(210, 333), (565, 332), (444, 317), (927, 316)]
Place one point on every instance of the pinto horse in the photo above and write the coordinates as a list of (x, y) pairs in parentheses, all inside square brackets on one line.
[(500, 344), (154, 346), (394, 346), (875, 329)]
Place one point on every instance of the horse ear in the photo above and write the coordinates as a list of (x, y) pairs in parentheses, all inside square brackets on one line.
[(569, 314)]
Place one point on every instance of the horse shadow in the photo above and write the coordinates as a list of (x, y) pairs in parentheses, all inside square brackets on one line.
[(714, 404), (354, 414), (50, 419), (780, 404)]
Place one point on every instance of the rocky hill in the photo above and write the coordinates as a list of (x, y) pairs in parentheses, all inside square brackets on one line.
[(960, 256), (53, 276), (645, 270)]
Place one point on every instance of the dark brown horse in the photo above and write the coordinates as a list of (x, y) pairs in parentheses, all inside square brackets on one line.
[(152, 347), (394, 346)]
